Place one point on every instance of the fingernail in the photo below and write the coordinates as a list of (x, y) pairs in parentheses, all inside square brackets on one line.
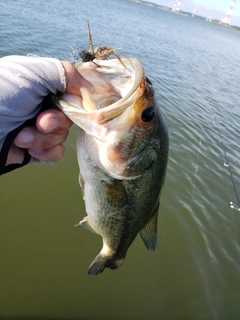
[(50, 125), (37, 151), (25, 138)]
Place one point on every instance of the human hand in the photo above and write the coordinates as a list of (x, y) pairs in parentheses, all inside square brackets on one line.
[(45, 140)]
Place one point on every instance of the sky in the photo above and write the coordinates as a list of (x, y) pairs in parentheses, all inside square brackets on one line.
[(216, 8)]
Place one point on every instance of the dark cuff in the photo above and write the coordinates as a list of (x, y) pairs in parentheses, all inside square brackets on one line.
[(6, 146), (48, 102)]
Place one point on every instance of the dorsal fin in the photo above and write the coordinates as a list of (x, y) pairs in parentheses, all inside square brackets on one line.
[(149, 231)]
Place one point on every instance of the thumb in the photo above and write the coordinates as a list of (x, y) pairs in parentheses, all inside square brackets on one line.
[(75, 80)]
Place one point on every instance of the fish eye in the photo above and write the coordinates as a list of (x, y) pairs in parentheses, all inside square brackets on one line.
[(148, 114)]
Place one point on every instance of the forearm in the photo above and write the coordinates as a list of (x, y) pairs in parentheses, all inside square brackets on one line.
[(24, 81)]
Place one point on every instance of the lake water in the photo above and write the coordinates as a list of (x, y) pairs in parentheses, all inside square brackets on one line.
[(195, 271)]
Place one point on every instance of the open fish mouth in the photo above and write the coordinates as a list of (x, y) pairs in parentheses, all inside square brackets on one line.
[(117, 86)]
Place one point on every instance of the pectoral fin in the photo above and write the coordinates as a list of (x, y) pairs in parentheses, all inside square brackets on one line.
[(84, 223), (149, 232), (143, 161), (115, 193)]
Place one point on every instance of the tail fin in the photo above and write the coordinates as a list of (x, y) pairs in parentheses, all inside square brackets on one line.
[(101, 262)]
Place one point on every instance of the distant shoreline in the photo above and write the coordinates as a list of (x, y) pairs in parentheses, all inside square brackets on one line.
[(183, 13)]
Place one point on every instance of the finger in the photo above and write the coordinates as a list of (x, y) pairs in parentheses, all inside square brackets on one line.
[(53, 121), (75, 80), (49, 155), (31, 138)]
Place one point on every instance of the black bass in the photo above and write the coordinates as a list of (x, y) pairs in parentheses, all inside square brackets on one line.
[(122, 154)]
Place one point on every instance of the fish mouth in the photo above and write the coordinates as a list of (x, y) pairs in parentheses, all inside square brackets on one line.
[(117, 86)]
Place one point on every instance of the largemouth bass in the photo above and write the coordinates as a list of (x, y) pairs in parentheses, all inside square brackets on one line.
[(122, 154)]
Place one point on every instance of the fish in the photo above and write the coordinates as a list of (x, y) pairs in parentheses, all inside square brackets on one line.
[(122, 151)]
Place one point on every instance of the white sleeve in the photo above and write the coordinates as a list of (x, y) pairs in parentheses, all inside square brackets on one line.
[(24, 82)]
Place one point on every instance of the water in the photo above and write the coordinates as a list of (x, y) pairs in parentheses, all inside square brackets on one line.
[(194, 273)]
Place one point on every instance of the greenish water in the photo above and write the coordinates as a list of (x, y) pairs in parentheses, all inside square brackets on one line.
[(194, 273)]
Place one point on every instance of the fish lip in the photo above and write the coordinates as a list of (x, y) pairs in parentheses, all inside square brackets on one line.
[(123, 103), (137, 73)]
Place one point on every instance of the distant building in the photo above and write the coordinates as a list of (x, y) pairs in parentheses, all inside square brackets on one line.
[(209, 18), (176, 6), (227, 19)]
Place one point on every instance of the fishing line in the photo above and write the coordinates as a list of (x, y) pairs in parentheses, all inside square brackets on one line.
[(196, 167), (227, 164)]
